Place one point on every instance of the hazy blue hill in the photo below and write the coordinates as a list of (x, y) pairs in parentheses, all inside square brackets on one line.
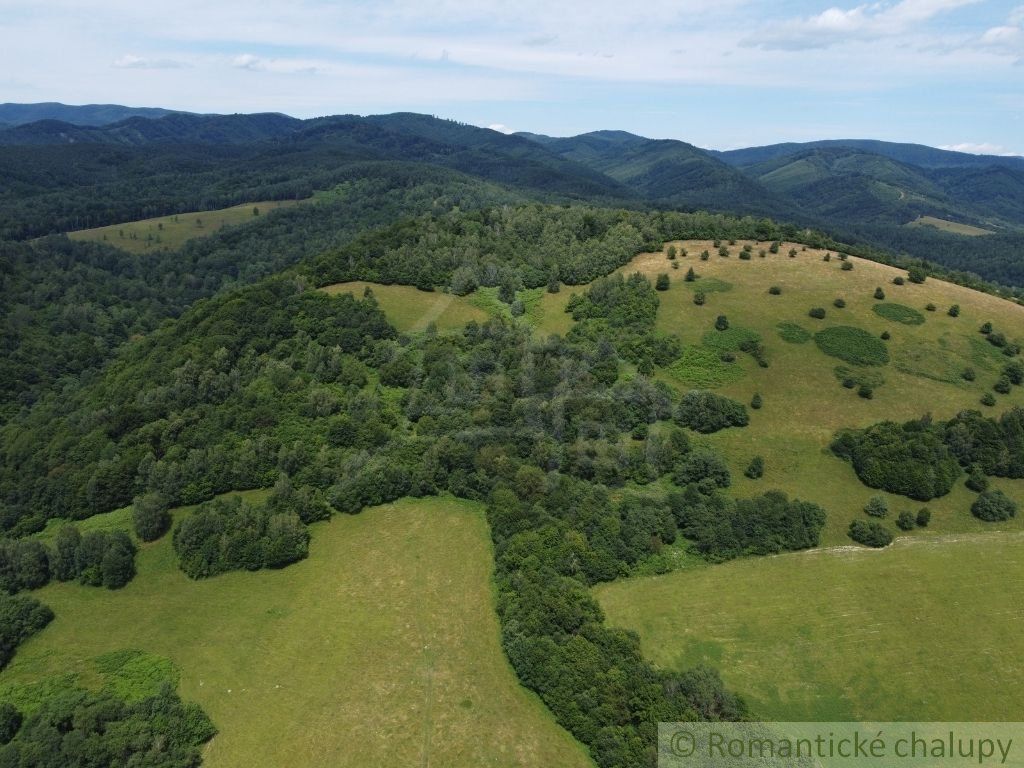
[(87, 114), (913, 154)]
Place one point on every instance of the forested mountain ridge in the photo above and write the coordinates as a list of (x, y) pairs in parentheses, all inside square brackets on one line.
[(86, 114)]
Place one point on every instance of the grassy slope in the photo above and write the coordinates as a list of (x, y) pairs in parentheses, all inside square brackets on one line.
[(411, 310), (168, 233), (804, 403), (928, 629), (948, 226), (360, 655)]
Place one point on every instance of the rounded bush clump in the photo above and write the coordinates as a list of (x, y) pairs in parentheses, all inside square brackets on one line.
[(994, 507)]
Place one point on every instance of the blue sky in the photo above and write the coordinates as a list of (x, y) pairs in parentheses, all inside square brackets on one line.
[(718, 73)]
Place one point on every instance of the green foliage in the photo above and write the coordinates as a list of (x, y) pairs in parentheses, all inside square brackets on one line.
[(898, 313), (924, 516), (993, 446), (662, 283), (879, 294), (818, 313), (954, 311), (917, 274), (910, 459), (10, 722), (705, 468), (79, 727), (854, 345), (793, 333), (906, 521), (721, 323), (150, 516), (756, 401), (722, 528), (877, 507), (700, 366), (730, 339), (839, 303), (775, 290), (227, 535), (755, 469), (870, 534), (707, 412), (993, 507), (21, 617)]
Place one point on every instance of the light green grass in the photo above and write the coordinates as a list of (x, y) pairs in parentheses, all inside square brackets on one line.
[(928, 629), (169, 233), (898, 313), (945, 225), (793, 333), (411, 310), (804, 402), (382, 648)]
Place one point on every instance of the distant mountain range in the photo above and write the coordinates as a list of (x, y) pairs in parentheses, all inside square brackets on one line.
[(858, 190)]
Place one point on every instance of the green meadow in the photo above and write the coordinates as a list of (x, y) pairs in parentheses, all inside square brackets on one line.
[(169, 233), (382, 648), (927, 629)]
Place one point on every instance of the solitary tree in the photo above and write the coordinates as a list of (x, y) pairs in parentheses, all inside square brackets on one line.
[(671, 253), (690, 275), (756, 402), (698, 298)]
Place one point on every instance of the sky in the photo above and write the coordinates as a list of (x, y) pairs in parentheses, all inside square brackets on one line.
[(721, 74)]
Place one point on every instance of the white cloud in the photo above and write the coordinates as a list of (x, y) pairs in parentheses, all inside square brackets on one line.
[(985, 148), (280, 66), (864, 23), (501, 128), (1006, 39), (130, 61)]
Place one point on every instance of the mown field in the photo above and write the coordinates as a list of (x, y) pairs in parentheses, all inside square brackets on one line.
[(382, 648), (804, 400), (945, 225), (168, 233), (928, 629)]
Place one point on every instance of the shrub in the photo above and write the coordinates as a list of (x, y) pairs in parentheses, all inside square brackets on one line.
[(707, 412), (721, 323), (988, 399), (1002, 386), (827, 257), (906, 521), (897, 280), (671, 253), (976, 480), (792, 253), (917, 274), (704, 255), (818, 313), (755, 469), (879, 294), (756, 402), (10, 722), (986, 328), (698, 298), (839, 303), (870, 534), (924, 516), (865, 391), (930, 307), (876, 507), (150, 516), (954, 311), (662, 283), (745, 255), (968, 374), (847, 266), (1014, 372), (898, 313), (910, 459), (853, 345), (703, 465), (723, 252), (21, 617), (775, 290), (994, 507), (997, 339), (885, 336), (690, 275), (774, 247), (849, 382)]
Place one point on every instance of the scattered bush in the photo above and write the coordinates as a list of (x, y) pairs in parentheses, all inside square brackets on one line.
[(690, 275), (906, 521), (847, 266), (756, 402), (662, 283), (839, 303), (870, 534), (151, 516), (968, 374), (924, 516), (897, 280), (818, 313), (988, 399), (879, 294), (755, 469), (721, 323), (986, 328), (707, 412), (775, 290), (930, 307), (698, 298), (1002, 386), (954, 311), (994, 507), (876, 507), (885, 336)]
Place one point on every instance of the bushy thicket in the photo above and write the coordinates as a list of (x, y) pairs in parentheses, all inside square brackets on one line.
[(21, 617), (99, 558), (870, 534), (996, 446), (76, 728), (993, 507), (229, 534), (909, 459), (707, 412)]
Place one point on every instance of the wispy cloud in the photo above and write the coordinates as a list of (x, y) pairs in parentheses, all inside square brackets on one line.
[(255, 63), (984, 148), (131, 61), (501, 128), (861, 23)]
